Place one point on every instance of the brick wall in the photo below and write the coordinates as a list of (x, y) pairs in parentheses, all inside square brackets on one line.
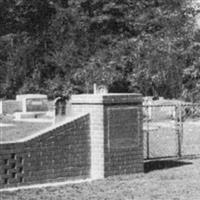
[(116, 132), (107, 141), (60, 154), (123, 140), (97, 135)]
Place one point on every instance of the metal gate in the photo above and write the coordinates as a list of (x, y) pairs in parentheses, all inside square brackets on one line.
[(161, 131), (190, 131), (171, 130)]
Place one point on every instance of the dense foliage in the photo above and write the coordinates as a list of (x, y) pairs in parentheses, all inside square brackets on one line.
[(59, 47)]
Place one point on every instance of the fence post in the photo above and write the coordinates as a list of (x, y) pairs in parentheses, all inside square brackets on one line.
[(181, 130), (179, 124), (147, 132)]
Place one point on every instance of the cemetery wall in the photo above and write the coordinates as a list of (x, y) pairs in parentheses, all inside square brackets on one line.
[(123, 139), (106, 140), (58, 154), (116, 127)]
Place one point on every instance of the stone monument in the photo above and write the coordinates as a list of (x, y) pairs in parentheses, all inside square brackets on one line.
[(33, 106)]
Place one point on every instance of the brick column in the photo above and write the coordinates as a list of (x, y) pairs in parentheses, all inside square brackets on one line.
[(106, 110), (93, 104)]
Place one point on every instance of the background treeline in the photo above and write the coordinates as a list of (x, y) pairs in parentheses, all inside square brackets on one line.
[(62, 46)]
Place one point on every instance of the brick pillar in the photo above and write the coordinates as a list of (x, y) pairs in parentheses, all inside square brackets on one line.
[(93, 104), (106, 113)]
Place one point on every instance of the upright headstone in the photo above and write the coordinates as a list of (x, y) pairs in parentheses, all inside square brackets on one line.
[(100, 89), (60, 108), (33, 102)]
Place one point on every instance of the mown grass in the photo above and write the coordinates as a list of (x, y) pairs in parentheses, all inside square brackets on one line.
[(171, 181), (19, 129)]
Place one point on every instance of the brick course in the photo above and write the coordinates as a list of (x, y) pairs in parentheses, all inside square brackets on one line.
[(126, 156), (60, 154), (108, 141), (115, 161)]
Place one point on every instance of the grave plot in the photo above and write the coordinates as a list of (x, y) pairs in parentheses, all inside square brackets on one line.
[(34, 108), (24, 116)]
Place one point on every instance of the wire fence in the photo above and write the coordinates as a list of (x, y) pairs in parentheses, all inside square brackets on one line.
[(171, 130)]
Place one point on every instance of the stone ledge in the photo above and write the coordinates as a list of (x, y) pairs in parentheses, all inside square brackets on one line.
[(110, 98)]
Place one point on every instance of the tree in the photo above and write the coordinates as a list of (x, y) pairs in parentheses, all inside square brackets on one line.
[(148, 41), (129, 45)]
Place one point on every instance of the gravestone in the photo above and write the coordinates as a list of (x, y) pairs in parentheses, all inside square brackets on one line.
[(100, 89), (33, 102), (33, 106), (60, 106)]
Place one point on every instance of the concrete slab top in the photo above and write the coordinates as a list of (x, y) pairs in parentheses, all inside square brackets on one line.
[(110, 98), (6, 125), (30, 96)]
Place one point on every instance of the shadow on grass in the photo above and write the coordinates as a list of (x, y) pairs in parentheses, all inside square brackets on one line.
[(163, 164)]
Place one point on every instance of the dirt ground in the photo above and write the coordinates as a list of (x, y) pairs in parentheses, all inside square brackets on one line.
[(162, 180)]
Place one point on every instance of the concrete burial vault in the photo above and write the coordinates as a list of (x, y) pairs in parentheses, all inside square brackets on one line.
[(103, 137)]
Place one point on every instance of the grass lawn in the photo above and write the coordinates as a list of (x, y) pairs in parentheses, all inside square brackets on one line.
[(18, 129), (163, 180)]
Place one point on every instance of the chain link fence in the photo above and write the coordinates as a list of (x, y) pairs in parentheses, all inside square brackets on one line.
[(190, 129), (171, 130)]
